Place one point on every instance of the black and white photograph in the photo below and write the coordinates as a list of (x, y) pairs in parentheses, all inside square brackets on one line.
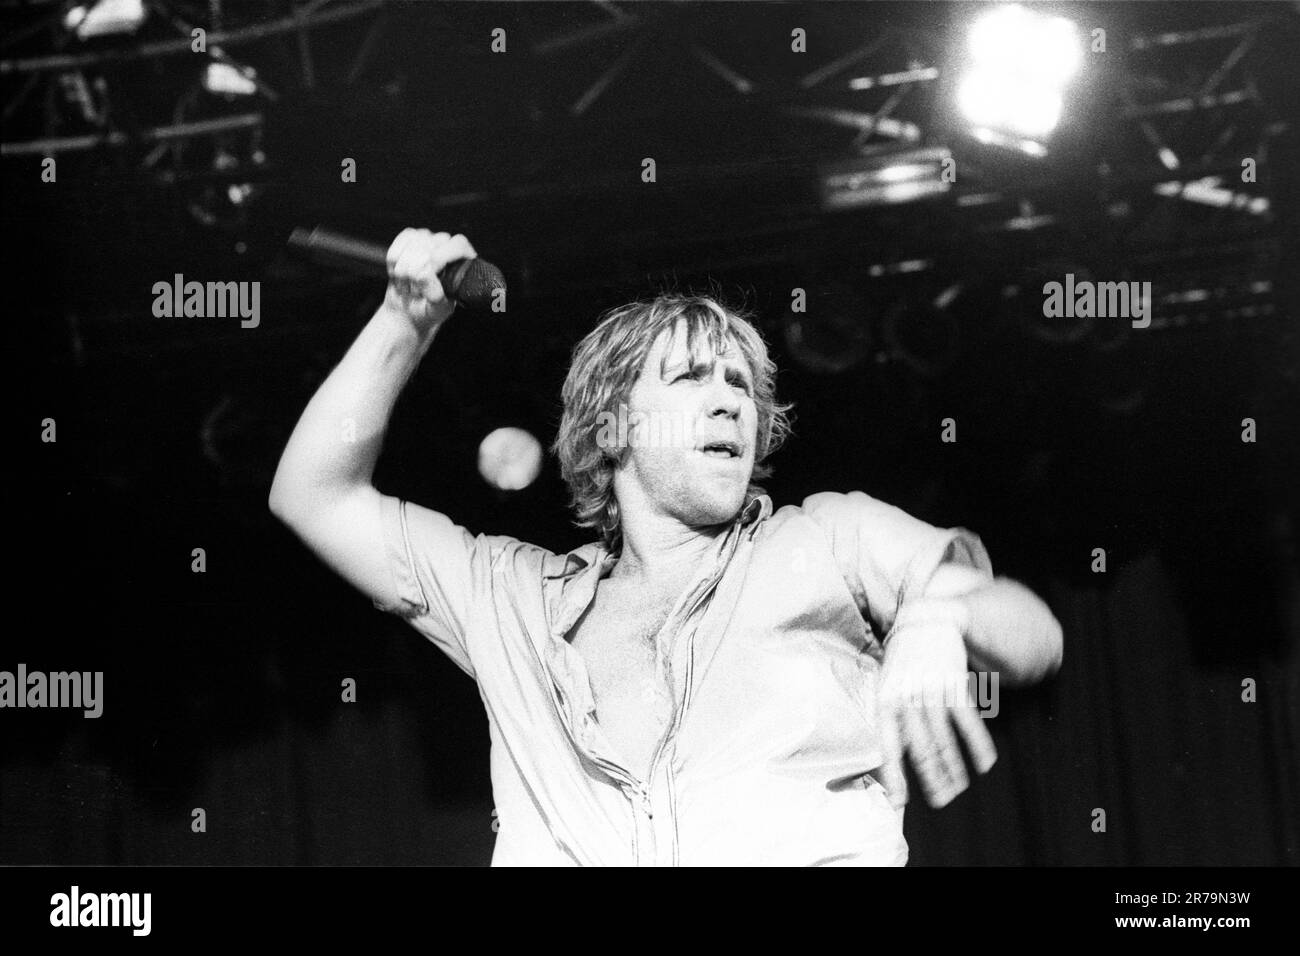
[(622, 434)]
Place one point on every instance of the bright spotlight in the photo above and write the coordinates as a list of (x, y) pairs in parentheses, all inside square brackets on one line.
[(998, 102), (997, 33), (1020, 62), (981, 99), (1013, 39), (509, 459), (1057, 52)]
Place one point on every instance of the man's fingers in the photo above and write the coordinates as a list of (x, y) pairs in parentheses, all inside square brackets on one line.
[(404, 240), (395, 248), (925, 761), (415, 260), (978, 739), (416, 269), (953, 774), (450, 249), (417, 256)]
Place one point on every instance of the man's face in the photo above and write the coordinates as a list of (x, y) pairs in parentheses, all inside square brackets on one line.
[(692, 431)]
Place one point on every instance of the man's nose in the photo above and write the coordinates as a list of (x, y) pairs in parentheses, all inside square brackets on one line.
[(723, 400)]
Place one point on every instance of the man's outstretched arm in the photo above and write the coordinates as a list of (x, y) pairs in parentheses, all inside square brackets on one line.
[(322, 488)]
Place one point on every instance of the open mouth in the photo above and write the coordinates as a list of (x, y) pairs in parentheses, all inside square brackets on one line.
[(721, 449)]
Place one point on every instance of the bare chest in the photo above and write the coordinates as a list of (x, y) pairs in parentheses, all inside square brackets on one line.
[(616, 638)]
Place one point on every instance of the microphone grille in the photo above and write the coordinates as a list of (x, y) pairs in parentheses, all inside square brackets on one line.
[(474, 281)]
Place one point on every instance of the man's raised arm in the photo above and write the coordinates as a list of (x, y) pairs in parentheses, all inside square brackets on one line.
[(322, 488)]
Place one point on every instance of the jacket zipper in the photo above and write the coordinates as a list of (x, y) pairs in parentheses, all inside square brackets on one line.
[(644, 790)]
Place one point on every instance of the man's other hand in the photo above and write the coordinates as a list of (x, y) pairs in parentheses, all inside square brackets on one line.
[(923, 695)]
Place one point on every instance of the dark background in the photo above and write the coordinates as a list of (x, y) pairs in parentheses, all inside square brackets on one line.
[(222, 689)]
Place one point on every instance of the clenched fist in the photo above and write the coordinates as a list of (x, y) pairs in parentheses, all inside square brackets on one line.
[(414, 260)]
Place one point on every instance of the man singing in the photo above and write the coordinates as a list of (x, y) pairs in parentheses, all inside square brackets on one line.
[(707, 684)]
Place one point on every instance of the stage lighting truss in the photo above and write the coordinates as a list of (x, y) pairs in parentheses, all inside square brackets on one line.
[(882, 91), (1187, 120), (1172, 128), (101, 48), (1188, 176), (888, 177), (889, 65), (218, 174), (1198, 129)]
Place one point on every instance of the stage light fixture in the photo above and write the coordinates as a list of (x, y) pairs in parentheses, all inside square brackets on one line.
[(1211, 191), (1015, 40), (999, 101), (1027, 299), (1019, 64), (509, 459), (105, 17), (884, 179), (923, 333), (834, 334), (227, 80)]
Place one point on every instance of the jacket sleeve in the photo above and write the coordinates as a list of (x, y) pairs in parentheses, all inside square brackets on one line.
[(884, 554)]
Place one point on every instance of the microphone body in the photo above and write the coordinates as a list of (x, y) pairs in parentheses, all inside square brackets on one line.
[(470, 282)]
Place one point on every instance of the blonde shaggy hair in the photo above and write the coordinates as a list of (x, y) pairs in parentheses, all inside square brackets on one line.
[(605, 366)]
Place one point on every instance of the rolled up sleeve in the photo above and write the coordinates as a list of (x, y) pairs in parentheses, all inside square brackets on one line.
[(884, 554)]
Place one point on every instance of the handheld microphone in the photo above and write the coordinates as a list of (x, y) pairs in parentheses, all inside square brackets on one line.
[(470, 282)]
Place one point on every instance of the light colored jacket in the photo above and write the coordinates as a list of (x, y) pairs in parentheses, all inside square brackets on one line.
[(772, 657)]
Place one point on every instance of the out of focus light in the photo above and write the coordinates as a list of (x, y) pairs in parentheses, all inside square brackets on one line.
[(105, 17), (1020, 62), (896, 177), (228, 80), (509, 459), (1000, 101), (902, 172), (1211, 191), (1016, 40), (1027, 146)]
